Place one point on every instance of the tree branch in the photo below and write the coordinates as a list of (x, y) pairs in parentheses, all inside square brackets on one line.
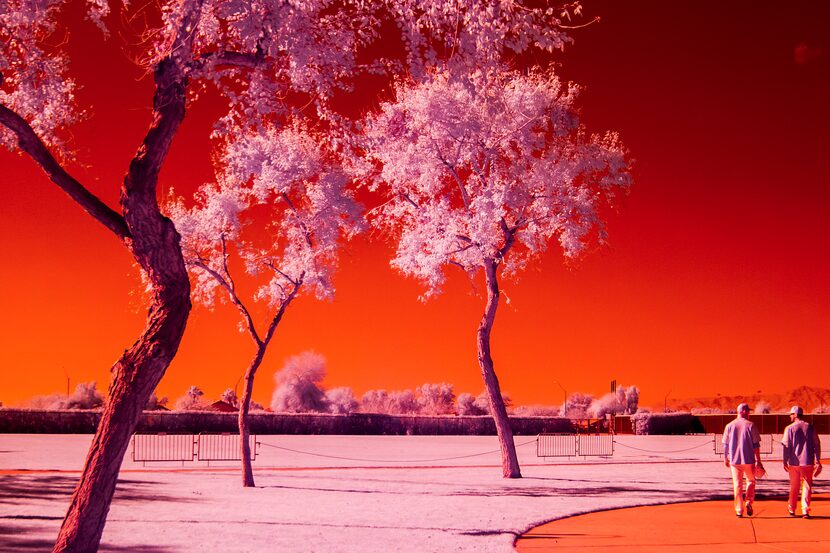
[(34, 147), (283, 306), (249, 321)]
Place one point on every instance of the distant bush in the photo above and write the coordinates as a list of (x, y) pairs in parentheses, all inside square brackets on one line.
[(299, 385), (436, 399), (661, 423), (154, 403), (341, 401), (821, 409), (469, 405), (191, 400), (763, 408), (577, 406), (86, 396), (229, 396), (535, 411)]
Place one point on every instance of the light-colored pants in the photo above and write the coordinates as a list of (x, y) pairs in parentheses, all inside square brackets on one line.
[(801, 477), (738, 474)]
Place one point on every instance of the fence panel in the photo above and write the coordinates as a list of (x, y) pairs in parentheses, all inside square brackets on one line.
[(556, 445), (766, 444), (223, 447), (162, 447), (596, 445)]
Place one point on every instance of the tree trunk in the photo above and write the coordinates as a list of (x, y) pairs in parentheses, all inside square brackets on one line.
[(509, 460), (154, 243), (244, 427)]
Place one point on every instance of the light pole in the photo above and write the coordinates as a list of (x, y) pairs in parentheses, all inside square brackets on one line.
[(563, 390)]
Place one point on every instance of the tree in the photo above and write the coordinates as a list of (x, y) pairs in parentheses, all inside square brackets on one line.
[(287, 171), (191, 400), (481, 173), (299, 385), (260, 56)]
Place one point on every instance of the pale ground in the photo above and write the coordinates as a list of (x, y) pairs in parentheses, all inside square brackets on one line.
[(406, 493)]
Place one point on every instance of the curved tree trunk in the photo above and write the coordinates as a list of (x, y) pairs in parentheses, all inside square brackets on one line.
[(154, 243), (244, 427), (509, 459)]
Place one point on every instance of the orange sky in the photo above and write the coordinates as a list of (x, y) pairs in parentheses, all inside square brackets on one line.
[(716, 279)]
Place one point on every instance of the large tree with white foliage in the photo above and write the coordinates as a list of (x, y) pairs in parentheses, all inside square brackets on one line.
[(482, 172), (266, 58), (289, 173)]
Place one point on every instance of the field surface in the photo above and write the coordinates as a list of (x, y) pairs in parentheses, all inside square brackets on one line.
[(354, 493)]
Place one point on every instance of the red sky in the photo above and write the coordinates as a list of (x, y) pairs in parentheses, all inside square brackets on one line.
[(715, 280)]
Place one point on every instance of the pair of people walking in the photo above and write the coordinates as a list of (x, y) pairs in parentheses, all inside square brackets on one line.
[(742, 454)]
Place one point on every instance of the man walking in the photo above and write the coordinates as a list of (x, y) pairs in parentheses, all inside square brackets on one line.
[(741, 453), (802, 459)]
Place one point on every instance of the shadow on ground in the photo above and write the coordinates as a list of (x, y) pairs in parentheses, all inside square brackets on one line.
[(11, 541), (19, 489)]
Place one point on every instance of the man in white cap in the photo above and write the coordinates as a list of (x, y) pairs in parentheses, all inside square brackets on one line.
[(741, 452), (802, 459)]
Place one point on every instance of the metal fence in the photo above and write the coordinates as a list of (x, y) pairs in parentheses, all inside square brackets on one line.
[(224, 447), (766, 444), (574, 445), (188, 447), (163, 447)]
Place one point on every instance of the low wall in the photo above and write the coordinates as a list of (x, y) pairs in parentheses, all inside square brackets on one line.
[(31, 421)]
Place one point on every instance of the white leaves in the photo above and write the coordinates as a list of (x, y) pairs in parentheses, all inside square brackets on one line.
[(281, 205), (471, 170), (35, 80)]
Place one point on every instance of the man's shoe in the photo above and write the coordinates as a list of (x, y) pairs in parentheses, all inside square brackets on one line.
[(792, 513), (807, 515), (739, 515), (749, 509)]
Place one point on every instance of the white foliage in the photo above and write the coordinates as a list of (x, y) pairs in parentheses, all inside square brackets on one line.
[(191, 400), (288, 172), (577, 406), (229, 396), (341, 401), (299, 385), (436, 399), (763, 408), (470, 170), (85, 396)]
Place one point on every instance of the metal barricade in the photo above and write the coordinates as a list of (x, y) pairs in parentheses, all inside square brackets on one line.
[(596, 445), (163, 447), (556, 445), (574, 445), (766, 444), (224, 447)]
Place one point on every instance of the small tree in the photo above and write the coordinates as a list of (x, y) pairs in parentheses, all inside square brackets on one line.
[(436, 399), (577, 406), (287, 171), (229, 396), (191, 400), (299, 385), (482, 171)]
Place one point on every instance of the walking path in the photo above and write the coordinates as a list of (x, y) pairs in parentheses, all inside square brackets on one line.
[(708, 526)]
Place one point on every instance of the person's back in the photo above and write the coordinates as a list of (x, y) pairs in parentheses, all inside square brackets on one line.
[(740, 438), (799, 444)]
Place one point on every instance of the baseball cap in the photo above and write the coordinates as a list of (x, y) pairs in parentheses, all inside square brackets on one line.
[(796, 410), (742, 407)]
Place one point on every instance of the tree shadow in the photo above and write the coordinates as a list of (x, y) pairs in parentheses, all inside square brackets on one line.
[(21, 488), (12, 541)]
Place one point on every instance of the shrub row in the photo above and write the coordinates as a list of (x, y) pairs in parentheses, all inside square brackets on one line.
[(31, 421)]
